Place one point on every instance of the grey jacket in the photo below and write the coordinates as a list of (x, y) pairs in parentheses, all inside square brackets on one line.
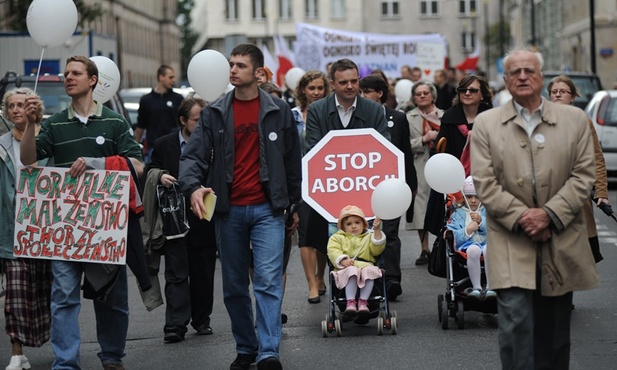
[(208, 158)]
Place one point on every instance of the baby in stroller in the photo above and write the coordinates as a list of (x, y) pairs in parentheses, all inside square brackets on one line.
[(468, 224), (352, 251)]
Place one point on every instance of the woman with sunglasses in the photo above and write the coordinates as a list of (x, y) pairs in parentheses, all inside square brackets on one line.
[(473, 96), (562, 90), (424, 125)]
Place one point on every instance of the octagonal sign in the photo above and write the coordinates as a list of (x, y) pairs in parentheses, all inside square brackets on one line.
[(345, 167)]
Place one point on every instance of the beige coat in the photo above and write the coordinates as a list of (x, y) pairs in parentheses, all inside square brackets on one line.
[(559, 157), (421, 154)]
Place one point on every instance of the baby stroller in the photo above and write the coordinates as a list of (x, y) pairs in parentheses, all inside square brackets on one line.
[(377, 304), (455, 301)]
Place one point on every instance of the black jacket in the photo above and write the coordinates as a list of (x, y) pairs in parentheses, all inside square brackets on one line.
[(209, 156)]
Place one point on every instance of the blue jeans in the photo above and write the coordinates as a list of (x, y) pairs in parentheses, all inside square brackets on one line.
[(259, 227), (112, 317)]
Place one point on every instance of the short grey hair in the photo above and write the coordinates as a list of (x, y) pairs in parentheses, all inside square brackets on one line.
[(23, 91), (431, 88), (517, 50)]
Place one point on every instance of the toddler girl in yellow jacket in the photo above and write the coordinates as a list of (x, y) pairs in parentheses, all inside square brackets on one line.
[(352, 251)]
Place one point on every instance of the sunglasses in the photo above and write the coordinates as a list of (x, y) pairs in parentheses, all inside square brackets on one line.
[(464, 90)]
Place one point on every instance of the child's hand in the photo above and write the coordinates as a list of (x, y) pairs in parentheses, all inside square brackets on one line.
[(347, 262), (377, 224), (475, 216), (472, 227)]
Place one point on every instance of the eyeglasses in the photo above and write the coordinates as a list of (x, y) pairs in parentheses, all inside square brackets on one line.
[(464, 90), (422, 93), (528, 71), (560, 92)]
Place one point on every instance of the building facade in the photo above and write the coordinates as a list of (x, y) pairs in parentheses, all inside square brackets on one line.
[(145, 31), (561, 30), (222, 24)]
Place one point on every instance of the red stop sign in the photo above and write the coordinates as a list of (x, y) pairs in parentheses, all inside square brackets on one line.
[(345, 167)]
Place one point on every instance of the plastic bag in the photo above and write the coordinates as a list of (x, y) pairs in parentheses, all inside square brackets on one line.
[(172, 208)]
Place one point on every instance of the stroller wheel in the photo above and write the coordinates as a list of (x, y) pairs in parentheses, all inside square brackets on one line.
[(444, 317), (460, 315), (380, 325), (440, 307), (324, 328), (394, 325), (338, 327)]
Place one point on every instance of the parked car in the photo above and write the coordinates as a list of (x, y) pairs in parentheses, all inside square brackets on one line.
[(587, 84), (51, 90), (602, 110)]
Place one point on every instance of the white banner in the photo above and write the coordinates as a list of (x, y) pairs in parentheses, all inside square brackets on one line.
[(315, 47), (62, 218)]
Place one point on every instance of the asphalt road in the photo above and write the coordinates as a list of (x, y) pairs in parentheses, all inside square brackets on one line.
[(419, 344)]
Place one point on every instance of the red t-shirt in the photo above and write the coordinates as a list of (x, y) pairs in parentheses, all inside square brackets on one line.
[(246, 189)]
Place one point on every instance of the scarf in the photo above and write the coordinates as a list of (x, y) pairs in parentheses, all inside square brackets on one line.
[(430, 122)]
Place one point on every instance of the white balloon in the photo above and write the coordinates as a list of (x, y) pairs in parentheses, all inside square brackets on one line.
[(109, 79), (391, 199), (293, 76), (444, 173), (402, 90), (208, 74), (51, 22)]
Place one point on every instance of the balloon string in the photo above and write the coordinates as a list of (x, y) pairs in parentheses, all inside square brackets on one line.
[(38, 70)]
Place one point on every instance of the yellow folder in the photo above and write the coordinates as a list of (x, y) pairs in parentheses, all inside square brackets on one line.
[(209, 203)]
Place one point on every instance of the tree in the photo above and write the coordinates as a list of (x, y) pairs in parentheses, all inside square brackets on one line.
[(493, 41), (188, 37), (18, 11)]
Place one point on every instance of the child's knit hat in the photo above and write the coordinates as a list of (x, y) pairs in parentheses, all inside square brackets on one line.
[(468, 188), (351, 211)]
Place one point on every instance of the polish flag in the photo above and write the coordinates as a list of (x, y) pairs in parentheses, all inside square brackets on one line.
[(471, 62), (270, 62), (285, 59)]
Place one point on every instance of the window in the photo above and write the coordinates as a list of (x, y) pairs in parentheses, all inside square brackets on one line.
[(467, 7), (337, 8), (311, 9), (231, 10), (389, 8), (468, 41), (429, 8), (259, 9), (285, 9)]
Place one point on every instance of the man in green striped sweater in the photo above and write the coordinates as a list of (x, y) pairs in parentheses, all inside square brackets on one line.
[(86, 130)]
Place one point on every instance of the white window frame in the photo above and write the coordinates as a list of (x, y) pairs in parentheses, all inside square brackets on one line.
[(429, 9), (285, 9), (311, 9), (467, 4), (231, 10), (258, 9), (338, 9), (390, 5), (468, 41)]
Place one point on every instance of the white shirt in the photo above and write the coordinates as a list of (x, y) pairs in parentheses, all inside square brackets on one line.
[(345, 115), (531, 120)]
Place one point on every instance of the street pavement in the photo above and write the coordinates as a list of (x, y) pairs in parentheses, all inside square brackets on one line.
[(419, 344)]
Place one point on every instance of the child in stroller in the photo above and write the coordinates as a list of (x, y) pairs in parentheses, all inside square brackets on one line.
[(352, 251), (468, 224)]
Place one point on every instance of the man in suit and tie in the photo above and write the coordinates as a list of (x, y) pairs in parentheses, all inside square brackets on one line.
[(344, 109), (189, 261), (373, 87)]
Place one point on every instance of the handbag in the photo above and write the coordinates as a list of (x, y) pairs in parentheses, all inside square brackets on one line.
[(437, 258), (172, 208)]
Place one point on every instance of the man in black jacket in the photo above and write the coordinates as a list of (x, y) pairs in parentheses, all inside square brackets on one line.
[(374, 87)]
